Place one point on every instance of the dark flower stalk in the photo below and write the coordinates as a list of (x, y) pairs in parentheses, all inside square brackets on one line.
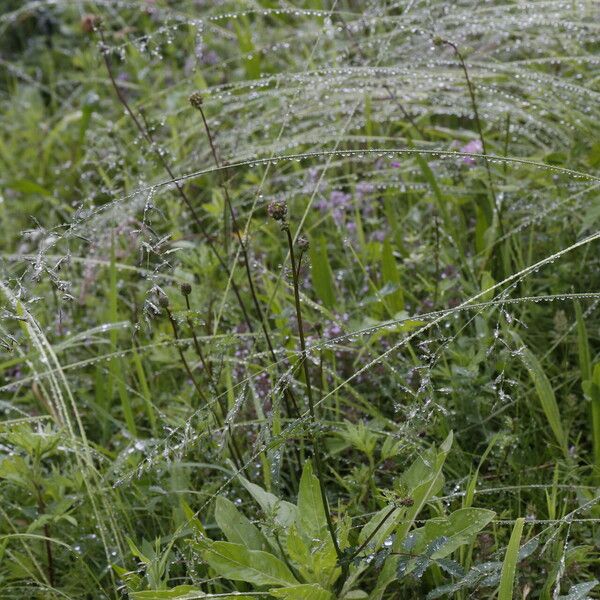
[(278, 211), (145, 132), (471, 88), (196, 102), (232, 443)]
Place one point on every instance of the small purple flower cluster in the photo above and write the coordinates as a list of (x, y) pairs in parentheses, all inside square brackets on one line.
[(472, 147), (338, 203)]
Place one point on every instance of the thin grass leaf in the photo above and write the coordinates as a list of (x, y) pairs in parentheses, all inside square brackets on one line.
[(509, 567), (545, 393)]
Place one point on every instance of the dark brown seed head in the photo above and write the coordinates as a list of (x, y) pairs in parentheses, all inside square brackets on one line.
[(196, 100), (277, 210), (186, 289), (89, 23), (163, 301)]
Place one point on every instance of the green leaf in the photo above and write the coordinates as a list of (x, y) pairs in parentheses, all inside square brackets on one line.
[(544, 391), (181, 591), (457, 529), (302, 592), (26, 186), (487, 281), (421, 481), (284, 513), (580, 591), (391, 275), (236, 527), (593, 387), (192, 519), (236, 562), (507, 577), (311, 513)]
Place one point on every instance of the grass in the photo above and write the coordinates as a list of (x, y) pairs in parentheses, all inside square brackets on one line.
[(299, 301)]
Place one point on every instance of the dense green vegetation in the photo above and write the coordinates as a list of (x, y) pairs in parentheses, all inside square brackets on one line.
[(299, 299)]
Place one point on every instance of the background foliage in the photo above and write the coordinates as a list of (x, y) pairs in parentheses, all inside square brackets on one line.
[(410, 408)]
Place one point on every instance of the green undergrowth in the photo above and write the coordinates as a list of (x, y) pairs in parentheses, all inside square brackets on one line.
[(299, 300)]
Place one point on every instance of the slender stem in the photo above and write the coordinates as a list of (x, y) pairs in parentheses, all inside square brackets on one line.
[(148, 137), (49, 557), (261, 317), (506, 141), (232, 443), (182, 356), (197, 347), (311, 406), (387, 515), (471, 89), (436, 229)]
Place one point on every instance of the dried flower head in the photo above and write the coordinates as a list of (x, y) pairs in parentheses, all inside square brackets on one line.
[(278, 210), (186, 289), (89, 23), (163, 301), (196, 100)]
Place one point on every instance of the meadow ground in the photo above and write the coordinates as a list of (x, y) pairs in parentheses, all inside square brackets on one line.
[(299, 300)]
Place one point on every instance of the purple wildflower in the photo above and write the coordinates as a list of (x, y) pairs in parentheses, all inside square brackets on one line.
[(472, 147)]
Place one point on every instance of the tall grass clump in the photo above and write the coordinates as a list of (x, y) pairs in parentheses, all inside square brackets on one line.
[(299, 300)]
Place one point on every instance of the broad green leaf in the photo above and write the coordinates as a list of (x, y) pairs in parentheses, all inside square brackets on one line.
[(507, 577), (457, 529), (422, 481), (131, 579), (283, 512), (311, 513), (304, 591), (580, 591), (181, 591), (137, 552), (314, 562), (236, 527), (544, 391), (236, 562), (28, 187)]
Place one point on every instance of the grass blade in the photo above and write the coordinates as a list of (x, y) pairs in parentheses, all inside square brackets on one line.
[(545, 393), (509, 567)]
